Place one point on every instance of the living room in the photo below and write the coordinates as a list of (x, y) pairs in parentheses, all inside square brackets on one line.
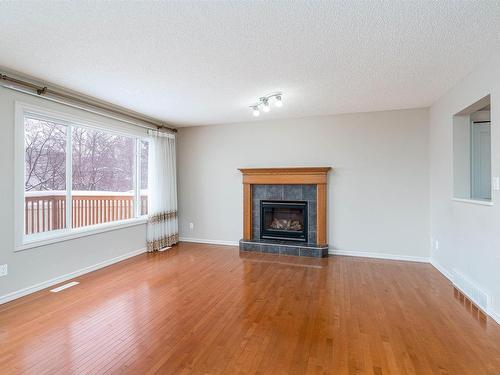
[(250, 187)]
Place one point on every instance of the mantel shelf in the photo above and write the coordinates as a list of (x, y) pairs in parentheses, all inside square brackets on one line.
[(294, 175), (289, 170)]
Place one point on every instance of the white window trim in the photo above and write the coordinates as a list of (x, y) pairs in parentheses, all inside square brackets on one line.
[(42, 239), (473, 201), (23, 242)]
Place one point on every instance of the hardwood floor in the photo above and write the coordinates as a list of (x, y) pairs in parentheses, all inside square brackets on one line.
[(206, 309)]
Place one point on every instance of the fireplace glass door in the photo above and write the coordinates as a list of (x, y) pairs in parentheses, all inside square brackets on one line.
[(283, 220)]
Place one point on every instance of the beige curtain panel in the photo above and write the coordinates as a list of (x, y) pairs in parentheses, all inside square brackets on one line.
[(163, 228)]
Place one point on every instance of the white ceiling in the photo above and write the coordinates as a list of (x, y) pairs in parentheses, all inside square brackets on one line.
[(193, 63)]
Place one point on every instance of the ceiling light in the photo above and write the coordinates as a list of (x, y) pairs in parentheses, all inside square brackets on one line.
[(264, 103)]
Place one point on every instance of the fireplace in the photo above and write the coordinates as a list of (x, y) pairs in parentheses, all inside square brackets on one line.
[(283, 220), (284, 211)]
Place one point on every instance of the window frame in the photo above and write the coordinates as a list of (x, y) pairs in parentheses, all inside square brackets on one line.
[(23, 241)]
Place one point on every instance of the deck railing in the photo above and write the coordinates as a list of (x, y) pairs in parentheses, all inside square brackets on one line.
[(48, 212)]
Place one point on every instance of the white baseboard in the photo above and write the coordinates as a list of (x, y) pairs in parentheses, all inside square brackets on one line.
[(364, 254), (212, 242), (56, 280), (495, 316), (442, 269)]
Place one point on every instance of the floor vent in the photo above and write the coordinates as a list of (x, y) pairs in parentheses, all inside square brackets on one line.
[(65, 286), (471, 290), (470, 306)]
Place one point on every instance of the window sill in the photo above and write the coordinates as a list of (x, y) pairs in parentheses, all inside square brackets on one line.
[(50, 238), (473, 201)]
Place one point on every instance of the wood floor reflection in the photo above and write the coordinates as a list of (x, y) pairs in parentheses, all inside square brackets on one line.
[(207, 309)]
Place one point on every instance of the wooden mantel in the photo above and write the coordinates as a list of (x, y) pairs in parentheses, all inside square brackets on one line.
[(300, 175)]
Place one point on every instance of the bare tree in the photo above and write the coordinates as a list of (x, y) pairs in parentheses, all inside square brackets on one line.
[(45, 155), (100, 161)]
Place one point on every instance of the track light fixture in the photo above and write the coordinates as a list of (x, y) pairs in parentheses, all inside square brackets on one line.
[(264, 103)]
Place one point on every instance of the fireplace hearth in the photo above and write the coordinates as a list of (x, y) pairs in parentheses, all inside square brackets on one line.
[(283, 220)]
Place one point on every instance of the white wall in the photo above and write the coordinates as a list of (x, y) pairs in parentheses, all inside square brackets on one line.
[(37, 265), (468, 235), (378, 192)]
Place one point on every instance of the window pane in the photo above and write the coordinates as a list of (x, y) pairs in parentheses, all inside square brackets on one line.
[(103, 177), (45, 176), (144, 147)]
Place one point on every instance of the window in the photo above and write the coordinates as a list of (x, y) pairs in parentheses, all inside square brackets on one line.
[(45, 175), (78, 175), (103, 177), (472, 152)]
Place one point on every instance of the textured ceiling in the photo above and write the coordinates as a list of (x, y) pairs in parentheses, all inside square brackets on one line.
[(193, 63)]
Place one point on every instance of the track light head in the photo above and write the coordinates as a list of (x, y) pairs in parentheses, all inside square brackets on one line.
[(255, 111), (279, 101), (265, 105)]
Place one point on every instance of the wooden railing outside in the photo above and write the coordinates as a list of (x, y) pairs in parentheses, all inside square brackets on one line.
[(46, 213)]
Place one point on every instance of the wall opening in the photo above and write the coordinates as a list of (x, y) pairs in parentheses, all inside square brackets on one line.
[(472, 152)]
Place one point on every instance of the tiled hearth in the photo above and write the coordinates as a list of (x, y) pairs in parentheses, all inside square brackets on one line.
[(304, 185), (284, 248)]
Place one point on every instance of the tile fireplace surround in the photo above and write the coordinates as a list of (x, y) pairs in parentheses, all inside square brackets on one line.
[(307, 184)]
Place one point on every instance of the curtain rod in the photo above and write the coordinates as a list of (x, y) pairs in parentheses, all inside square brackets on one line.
[(42, 91)]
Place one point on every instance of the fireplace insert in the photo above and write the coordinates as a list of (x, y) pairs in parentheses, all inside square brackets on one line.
[(283, 220)]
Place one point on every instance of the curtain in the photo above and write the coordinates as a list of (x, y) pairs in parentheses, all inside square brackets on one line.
[(162, 228)]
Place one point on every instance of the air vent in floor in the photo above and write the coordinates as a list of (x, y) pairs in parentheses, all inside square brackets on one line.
[(65, 286)]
